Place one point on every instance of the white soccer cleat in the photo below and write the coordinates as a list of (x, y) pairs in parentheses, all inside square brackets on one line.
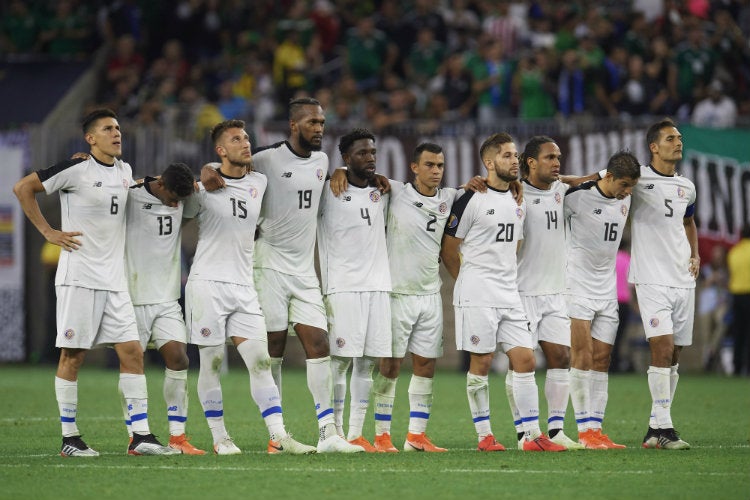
[(337, 444), (226, 447), (287, 444), (147, 444), (73, 446), (563, 440)]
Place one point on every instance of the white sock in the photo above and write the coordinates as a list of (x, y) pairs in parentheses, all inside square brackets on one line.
[(526, 395), (339, 367), (262, 387), (557, 393), (125, 412), (659, 385), (580, 396), (599, 396), (319, 382), (135, 392), (276, 372), (517, 423), (420, 403), (674, 377), (175, 395), (383, 395), (209, 389), (360, 394), (477, 390), (66, 392)]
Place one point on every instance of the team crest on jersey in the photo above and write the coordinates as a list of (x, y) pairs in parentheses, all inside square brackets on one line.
[(653, 322), (253, 192), (340, 343), (452, 221), (624, 210), (375, 196), (443, 208), (680, 192), (558, 198), (125, 183), (69, 333), (320, 174), (519, 212), (205, 332), (474, 340)]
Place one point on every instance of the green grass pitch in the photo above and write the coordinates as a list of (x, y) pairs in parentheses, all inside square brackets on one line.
[(711, 412)]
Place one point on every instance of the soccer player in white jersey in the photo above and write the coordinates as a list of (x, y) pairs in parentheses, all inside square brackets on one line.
[(152, 262), (417, 213), (220, 299), (356, 280), (479, 251), (93, 304), (664, 266), (541, 281), (595, 216)]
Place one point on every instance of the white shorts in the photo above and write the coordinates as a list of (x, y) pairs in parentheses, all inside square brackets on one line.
[(160, 323), (481, 329), (216, 311), (88, 318), (359, 324), (667, 311), (417, 325), (603, 315), (547, 317), (289, 299)]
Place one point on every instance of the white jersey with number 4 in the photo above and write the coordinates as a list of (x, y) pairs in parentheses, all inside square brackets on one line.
[(541, 259), (595, 225), (152, 248), (93, 197), (490, 225), (226, 229), (414, 233), (660, 251), (351, 241), (288, 215)]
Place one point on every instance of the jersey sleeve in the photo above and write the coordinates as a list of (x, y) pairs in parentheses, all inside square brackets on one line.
[(458, 211), (59, 176), (192, 204)]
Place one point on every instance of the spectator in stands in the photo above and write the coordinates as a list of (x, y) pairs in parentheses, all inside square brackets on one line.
[(532, 91), (738, 261), (499, 24), (289, 66), (67, 32), (492, 75), (717, 110), (694, 67), (610, 85), (369, 54), (327, 28), (571, 86), (455, 85), (425, 58), (19, 29), (126, 63), (462, 25), (231, 106)]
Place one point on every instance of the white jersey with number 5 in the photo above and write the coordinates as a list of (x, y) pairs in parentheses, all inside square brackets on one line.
[(93, 197), (595, 225), (288, 215), (414, 233), (541, 259), (660, 251), (226, 229), (490, 225), (152, 247), (351, 241)]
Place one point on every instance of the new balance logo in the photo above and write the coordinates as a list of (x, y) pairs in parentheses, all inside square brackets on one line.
[(491, 211), (649, 186), (286, 174), (98, 184), (536, 201), (147, 206), (418, 204), (598, 211), (346, 198)]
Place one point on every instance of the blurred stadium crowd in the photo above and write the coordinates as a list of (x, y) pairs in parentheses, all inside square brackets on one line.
[(385, 63)]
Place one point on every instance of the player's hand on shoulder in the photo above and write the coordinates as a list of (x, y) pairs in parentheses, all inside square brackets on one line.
[(338, 181), (80, 156), (516, 188), (382, 183), (210, 177), (477, 184), (65, 239)]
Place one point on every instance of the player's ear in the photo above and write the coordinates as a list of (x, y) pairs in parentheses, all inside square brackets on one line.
[(413, 167)]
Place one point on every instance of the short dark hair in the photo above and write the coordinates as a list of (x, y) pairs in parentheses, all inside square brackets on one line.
[(652, 135), (91, 118), (296, 105), (624, 164), (532, 151), (347, 140), (494, 141), (178, 178), (220, 128), (430, 147)]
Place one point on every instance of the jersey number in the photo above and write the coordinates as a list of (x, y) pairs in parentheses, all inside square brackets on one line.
[(305, 198), (610, 231), (238, 208), (113, 206), (551, 219), (365, 214), (505, 233), (165, 225), (668, 204), (431, 223)]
